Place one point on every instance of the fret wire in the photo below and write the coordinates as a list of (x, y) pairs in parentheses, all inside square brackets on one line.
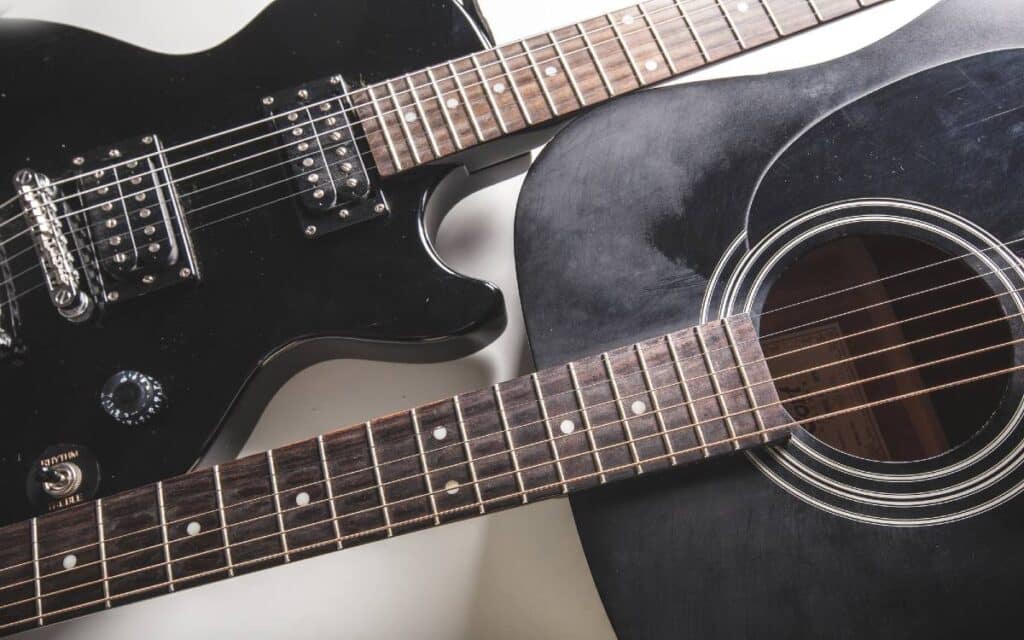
[(568, 69), (277, 505), (466, 103), (403, 125), (551, 434), (657, 38), (380, 484), (35, 565), (508, 439), (689, 401), (384, 128), (625, 49), (315, 545), (540, 78), (586, 423), (486, 84), (223, 520), (512, 85), (622, 412), (329, 488), (693, 32), (655, 402), (732, 25), (469, 452), (103, 552), (443, 106), (713, 379), (742, 370), (597, 59), (266, 536), (423, 461), (687, 396), (817, 11), (774, 20), (423, 116), (163, 534)]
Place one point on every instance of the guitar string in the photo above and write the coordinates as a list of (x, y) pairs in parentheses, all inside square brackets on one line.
[(818, 344), (415, 89), (860, 309), (164, 233), (161, 185), (436, 516), (679, 9), (651, 28), (690, 405)]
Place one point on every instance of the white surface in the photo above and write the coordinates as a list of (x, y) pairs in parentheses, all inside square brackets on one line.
[(519, 574)]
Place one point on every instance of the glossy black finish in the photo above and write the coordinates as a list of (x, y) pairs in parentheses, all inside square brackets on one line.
[(217, 347), (722, 552)]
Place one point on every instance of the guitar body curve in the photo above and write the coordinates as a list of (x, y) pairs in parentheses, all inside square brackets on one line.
[(270, 301), (916, 136)]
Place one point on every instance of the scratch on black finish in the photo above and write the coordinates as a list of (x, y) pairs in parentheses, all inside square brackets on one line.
[(380, 284), (721, 552)]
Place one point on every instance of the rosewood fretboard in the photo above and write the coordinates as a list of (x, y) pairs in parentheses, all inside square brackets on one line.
[(443, 109), (668, 401)]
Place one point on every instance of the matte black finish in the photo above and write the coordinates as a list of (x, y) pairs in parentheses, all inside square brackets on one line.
[(379, 285), (721, 551)]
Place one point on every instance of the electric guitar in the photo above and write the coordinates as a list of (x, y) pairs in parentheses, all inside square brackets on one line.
[(235, 207)]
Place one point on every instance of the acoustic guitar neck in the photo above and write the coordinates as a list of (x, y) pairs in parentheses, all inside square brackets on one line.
[(678, 399)]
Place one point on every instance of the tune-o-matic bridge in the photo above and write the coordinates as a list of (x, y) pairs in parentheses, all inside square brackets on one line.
[(321, 144), (132, 219)]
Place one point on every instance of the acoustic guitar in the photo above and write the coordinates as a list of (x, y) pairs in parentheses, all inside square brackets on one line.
[(866, 213)]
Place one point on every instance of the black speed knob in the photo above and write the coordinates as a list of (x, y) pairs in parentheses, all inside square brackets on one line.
[(132, 398)]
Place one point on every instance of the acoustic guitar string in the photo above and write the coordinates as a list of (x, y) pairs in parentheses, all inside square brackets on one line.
[(689, 404), (474, 505), (369, 154), (347, 95)]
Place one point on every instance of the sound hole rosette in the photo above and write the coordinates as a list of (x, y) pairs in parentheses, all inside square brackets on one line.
[(969, 479)]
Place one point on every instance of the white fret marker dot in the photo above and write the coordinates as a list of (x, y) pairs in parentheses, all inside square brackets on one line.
[(499, 87), (410, 116), (193, 528), (551, 71), (70, 561), (651, 65), (451, 487), (567, 427), (440, 433), (743, 7), (638, 407), (302, 499), (627, 19), (452, 103)]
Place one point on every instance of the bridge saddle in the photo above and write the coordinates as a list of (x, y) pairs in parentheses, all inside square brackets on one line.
[(320, 137)]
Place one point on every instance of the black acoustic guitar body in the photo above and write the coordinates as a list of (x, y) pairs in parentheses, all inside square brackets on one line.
[(697, 202), (219, 345)]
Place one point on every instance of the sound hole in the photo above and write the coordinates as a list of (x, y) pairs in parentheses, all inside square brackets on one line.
[(870, 343)]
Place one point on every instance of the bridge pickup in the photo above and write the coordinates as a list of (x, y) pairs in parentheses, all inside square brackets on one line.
[(320, 141), (133, 221), (8, 307)]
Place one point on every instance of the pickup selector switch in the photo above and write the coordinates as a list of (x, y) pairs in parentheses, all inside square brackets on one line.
[(132, 398)]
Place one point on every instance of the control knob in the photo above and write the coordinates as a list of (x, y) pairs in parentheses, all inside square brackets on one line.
[(132, 398)]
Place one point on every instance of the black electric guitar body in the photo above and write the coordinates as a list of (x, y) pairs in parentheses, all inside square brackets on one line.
[(758, 194), (218, 347)]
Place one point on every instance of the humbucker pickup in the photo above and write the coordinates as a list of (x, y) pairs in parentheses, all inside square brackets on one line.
[(132, 219), (320, 142)]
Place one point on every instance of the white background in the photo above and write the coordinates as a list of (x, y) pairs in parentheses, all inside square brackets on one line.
[(518, 574)]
